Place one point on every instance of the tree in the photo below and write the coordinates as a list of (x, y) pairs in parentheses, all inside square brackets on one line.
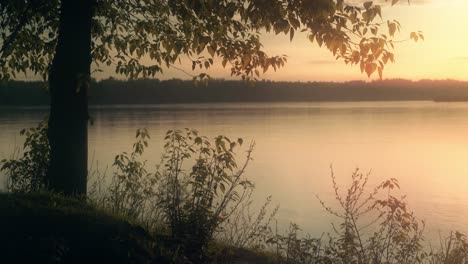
[(59, 40)]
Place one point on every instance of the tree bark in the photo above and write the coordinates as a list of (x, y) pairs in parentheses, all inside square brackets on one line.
[(69, 79)]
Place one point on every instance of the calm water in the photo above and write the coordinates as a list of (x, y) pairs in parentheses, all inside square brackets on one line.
[(423, 144)]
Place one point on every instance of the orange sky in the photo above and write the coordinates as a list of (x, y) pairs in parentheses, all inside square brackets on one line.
[(443, 54)]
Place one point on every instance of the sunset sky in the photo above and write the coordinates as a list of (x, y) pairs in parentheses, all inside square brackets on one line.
[(443, 54)]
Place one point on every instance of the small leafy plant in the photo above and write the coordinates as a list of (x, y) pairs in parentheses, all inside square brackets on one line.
[(196, 188), (27, 171), (196, 200), (375, 228), (132, 186), (390, 234)]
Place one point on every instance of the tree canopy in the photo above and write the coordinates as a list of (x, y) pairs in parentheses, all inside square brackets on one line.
[(125, 31)]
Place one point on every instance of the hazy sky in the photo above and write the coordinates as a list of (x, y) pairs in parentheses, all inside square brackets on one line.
[(443, 54)]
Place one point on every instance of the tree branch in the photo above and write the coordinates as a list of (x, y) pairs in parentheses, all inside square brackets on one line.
[(4, 51)]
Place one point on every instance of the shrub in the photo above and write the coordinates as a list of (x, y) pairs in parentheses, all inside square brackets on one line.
[(197, 200), (28, 173), (392, 233), (196, 188), (375, 228), (132, 185)]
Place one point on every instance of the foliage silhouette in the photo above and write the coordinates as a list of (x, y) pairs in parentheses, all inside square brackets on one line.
[(28, 173), (374, 227), (195, 190)]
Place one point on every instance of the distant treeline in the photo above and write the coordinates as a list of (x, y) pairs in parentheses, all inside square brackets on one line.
[(153, 91)]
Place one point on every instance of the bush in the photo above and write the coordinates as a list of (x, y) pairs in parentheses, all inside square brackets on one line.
[(196, 188), (197, 199), (132, 186), (392, 235), (28, 173), (375, 228)]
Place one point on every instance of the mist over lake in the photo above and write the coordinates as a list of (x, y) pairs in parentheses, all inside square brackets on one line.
[(422, 144)]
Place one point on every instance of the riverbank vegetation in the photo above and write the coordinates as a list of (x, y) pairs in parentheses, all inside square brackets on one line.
[(197, 207)]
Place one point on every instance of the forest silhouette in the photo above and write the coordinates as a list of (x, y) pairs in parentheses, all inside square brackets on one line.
[(155, 91)]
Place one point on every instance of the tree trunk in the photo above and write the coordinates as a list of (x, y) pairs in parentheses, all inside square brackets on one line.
[(68, 83)]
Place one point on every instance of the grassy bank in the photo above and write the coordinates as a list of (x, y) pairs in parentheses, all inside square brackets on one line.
[(49, 228)]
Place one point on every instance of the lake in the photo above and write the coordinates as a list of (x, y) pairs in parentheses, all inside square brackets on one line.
[(422, 144)]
